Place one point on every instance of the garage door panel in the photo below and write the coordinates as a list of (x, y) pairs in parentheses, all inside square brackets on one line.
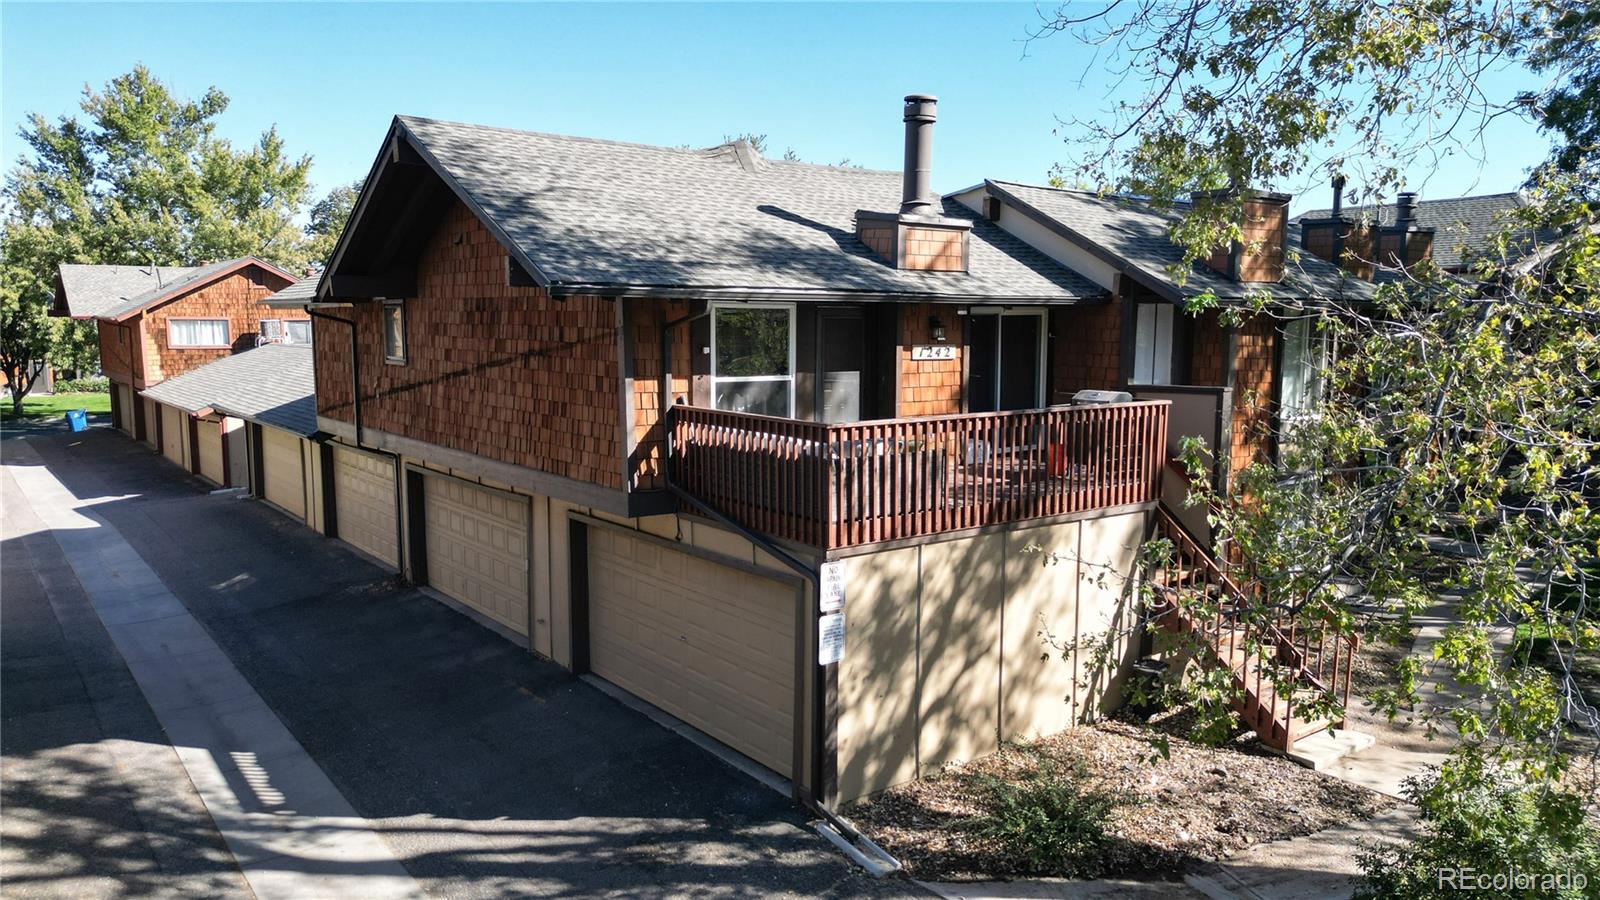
[(208, 440), (364, 502), (283, 470), (173, 437), (477, 548), (710, 644)]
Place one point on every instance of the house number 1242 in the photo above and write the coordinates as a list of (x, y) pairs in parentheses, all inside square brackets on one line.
[(933, 351)]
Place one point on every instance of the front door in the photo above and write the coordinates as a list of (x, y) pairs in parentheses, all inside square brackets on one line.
[(842, 372), (1005, 360)]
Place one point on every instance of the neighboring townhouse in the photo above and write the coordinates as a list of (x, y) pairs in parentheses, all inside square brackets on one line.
[(1236, 385), (1458, 228), (156, 322), (249, 421), (765, 443)]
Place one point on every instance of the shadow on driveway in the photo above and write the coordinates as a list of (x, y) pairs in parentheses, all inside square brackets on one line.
[(489, 772)]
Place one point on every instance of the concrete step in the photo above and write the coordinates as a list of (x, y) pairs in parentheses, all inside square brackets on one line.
[(1323, 749)]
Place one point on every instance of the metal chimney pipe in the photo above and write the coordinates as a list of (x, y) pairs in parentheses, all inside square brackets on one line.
[(1338, 195), (1405, 209), (916, 195)]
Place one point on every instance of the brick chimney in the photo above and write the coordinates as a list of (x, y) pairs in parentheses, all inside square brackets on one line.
[(1338, 238), (1259, 257), (1405, 243), (918, 237)]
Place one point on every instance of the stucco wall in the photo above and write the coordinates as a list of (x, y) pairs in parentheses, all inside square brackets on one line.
[(953, 647)]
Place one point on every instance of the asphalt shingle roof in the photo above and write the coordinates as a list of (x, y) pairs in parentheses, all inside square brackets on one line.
[(1462, 224), (1135, 235), (273, 384), (298, 294), (599, 213), (91, 290)]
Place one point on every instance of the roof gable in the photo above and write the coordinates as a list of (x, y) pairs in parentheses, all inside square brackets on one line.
[(598, 217), (1133, 236), (119, 292)]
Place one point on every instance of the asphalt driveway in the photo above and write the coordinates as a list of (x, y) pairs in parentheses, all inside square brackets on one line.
[(486, 772)]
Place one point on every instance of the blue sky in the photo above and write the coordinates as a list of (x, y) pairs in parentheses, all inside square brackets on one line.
[(825, 80)]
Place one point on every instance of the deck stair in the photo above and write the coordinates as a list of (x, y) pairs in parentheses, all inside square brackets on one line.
[(1280, 667)]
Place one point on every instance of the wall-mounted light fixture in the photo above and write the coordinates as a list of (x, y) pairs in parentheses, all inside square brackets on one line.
[(936, 326)]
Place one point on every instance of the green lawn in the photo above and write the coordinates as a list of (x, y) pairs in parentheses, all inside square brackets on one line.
[(56, 406)]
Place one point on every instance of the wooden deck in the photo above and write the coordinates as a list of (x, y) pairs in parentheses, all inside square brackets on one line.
[(837, 486)]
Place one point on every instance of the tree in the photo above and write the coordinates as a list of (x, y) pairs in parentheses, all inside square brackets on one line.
[(1458, 408), (327, 219), (140, 179)]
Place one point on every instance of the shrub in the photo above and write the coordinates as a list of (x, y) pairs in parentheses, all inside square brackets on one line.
[(1478, 816), (83, 386), (1047, 823)]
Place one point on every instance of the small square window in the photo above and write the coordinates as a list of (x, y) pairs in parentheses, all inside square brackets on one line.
[(394, 331), (297, 331)]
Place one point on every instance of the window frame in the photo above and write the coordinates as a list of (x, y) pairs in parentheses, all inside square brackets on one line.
[(289, 322), (716, 379), (227, 330), (1315, 342), (261, 325), (405, 338), (1042, 364), (1160, 363)]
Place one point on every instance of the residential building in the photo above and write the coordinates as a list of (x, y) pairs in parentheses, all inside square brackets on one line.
[(156, 322), (249, 420), (768, 444), (1449, 231)]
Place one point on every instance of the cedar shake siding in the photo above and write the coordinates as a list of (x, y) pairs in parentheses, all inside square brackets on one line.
[(647, 318), (1253, 391), (501, 372), (929, 387), (1208, 348), (117, 344), (1085, 349), (235, 298)]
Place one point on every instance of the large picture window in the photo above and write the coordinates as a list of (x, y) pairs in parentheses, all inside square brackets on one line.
[(197, 333), (752, 358)]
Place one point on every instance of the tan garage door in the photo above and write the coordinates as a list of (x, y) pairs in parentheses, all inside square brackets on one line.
[(152, 415), (208, 439), (283, 477), (477, 548), (710, 644), (364, 497), (173, 438), (125, 402)]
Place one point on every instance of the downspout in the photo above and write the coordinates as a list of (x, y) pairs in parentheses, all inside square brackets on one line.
[(355, 366)]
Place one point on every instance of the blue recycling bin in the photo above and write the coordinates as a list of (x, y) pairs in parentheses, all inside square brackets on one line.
[(78, 419)]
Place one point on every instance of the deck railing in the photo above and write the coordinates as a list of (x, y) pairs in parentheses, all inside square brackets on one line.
[(835, 486)]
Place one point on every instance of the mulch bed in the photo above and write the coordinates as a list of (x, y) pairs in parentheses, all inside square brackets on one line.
[(1199, 804)]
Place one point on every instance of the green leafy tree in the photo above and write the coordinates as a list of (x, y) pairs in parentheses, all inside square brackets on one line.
[(327, 220), (1452, 463), (140, 178)]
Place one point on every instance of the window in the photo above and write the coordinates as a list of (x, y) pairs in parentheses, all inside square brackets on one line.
[(191, 333), (394, 331), (1305, 361), (752, 358), (271, 331), (297, 331), (1152, 344)]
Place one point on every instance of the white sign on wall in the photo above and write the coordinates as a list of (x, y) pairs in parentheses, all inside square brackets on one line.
[(933, 351), (831, 586), (830, 639)]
